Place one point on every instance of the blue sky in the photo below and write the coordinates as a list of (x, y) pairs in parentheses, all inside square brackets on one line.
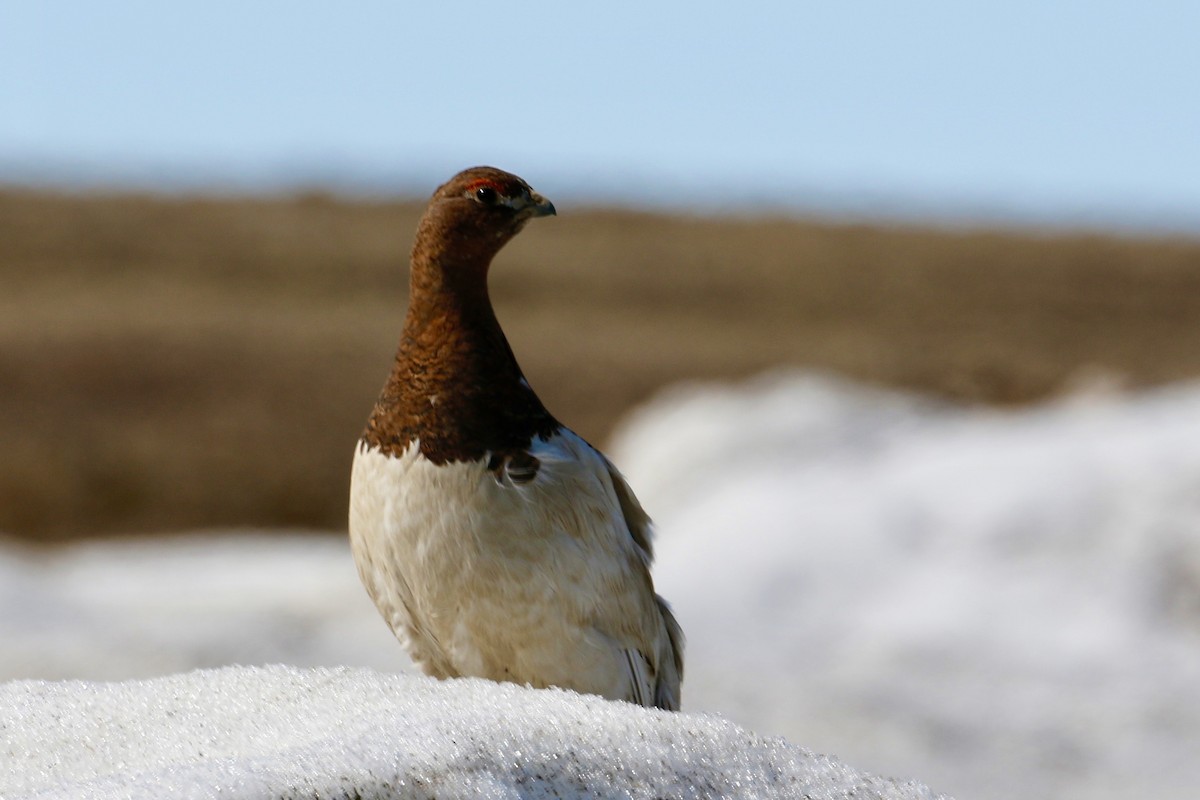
[(1043, 111)]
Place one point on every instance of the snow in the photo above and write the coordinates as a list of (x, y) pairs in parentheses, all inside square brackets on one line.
[(1005, 604), (259, 732), (142, 608), (998, 603)]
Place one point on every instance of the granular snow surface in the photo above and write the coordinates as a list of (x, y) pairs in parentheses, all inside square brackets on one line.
[(269, 732)]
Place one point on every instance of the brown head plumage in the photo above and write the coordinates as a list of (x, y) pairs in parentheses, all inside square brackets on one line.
[(469, 218), (456, 386)]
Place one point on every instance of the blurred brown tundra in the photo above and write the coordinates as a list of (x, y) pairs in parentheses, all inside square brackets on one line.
[(169, 364)]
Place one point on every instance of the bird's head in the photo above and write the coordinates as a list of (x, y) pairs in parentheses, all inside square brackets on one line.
[(474, 214)]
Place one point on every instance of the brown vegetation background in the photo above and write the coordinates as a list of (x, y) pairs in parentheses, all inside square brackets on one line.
[(169, 364)]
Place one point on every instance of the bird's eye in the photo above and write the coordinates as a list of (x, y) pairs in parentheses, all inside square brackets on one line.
[(486, 195)]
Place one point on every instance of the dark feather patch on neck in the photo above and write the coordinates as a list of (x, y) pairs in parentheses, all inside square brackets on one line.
[(456, 411)]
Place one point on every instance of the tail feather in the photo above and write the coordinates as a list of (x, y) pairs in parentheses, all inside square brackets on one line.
[(670, 661)]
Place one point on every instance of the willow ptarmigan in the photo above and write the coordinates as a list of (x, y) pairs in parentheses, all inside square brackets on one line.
[(496, 542)]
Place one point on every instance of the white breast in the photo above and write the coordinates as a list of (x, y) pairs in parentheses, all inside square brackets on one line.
[(538, 583)]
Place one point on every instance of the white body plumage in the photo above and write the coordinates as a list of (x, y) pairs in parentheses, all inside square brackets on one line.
[(542, 581)]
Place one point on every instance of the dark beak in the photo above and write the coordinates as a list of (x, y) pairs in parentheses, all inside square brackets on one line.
[(539, 206)]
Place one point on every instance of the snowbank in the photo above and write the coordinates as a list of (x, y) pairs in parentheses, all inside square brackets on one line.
[(1001, 604), (243, 732), (1005, 604), (142, 608)]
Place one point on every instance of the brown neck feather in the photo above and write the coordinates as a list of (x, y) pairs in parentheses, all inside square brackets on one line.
[(456, 386)]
